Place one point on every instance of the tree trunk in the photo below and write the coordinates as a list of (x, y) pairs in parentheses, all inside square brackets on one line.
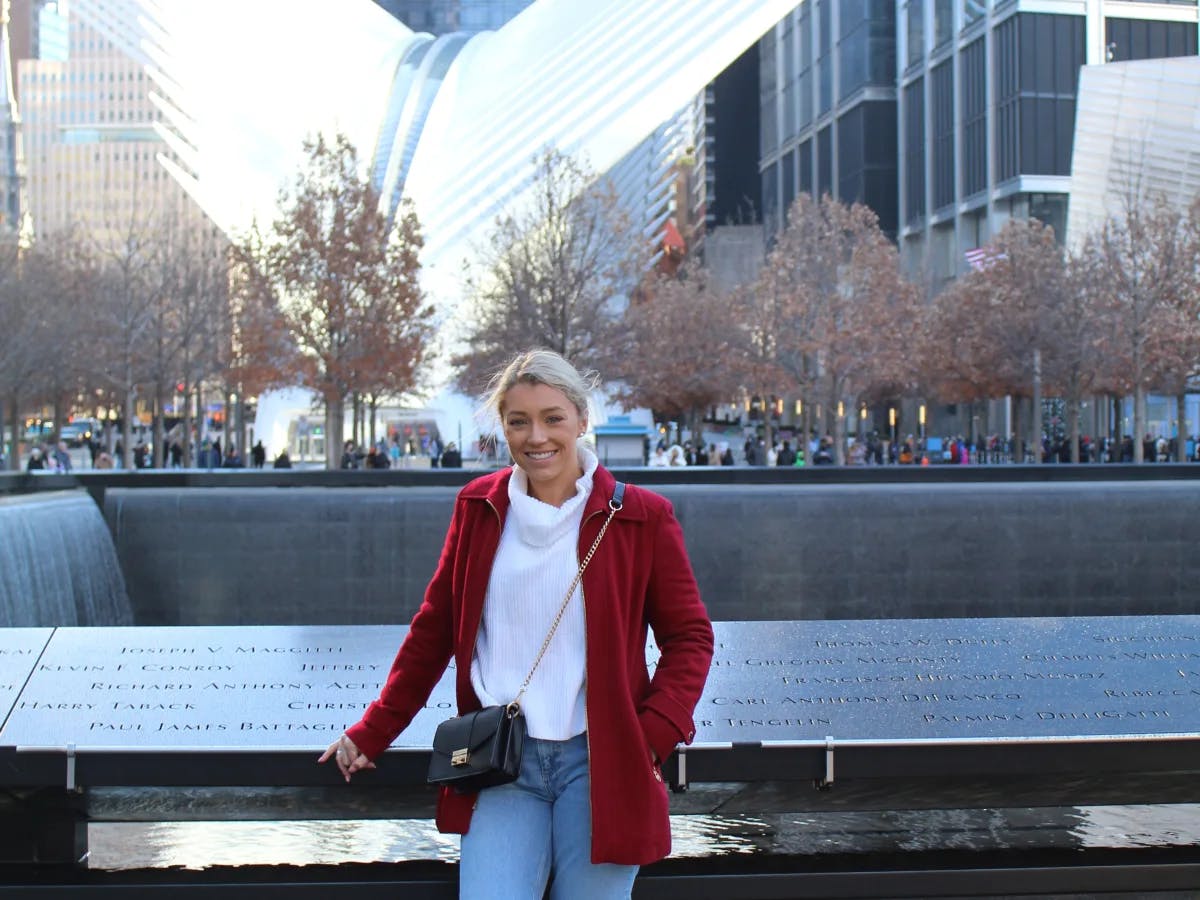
[(160, 450), (127, 431), (1139, 420), (807, 419), (839, 439), (186, 437), (226, 424), (1117, 432), (1017, 438), (335, 413), (1073, 428), (1181, 430), (14, 448), (1035, 423)]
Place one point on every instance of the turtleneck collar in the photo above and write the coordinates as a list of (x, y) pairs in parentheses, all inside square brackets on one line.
[(541, 524)]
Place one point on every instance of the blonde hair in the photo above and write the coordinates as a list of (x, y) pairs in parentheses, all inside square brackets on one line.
[(541, 367)]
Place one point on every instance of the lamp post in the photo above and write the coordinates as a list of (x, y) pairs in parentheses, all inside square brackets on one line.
[(892, 426)]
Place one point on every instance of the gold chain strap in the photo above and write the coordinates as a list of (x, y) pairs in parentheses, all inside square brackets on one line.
[(613, 506)]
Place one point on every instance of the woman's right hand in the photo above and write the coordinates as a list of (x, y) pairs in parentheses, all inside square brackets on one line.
[(348, 757)]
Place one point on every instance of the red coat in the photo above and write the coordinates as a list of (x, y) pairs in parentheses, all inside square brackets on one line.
[(639, 576)]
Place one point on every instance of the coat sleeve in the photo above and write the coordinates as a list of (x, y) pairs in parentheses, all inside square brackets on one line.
[(421, 660), (684, 636)]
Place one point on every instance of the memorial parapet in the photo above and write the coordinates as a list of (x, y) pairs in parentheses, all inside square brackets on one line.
[(254, 705)]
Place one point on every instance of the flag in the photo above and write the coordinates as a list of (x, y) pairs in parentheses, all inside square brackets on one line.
[(982, 257)]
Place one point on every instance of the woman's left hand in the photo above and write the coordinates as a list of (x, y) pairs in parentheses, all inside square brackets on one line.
[(348, 757)]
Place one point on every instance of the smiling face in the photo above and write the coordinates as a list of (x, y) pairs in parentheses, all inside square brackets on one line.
[(541, 426)]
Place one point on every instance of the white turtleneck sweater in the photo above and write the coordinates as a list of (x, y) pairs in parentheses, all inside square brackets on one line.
[(535, 563)]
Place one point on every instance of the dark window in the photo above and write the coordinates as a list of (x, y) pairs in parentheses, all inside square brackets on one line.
[(1050, 209), (972, 89), (916, 31), (825, 55), (867, 45), (880, 176), (1139, 39), (943, 21), (767, 92), (771, 198), (1008, 99), (790, 84), (804, 157), (1052, 50), (788, 175), (806, 65), (914, 147), (1037, 75), (850, 155), (733, 166), (942, 106), (824, 161)]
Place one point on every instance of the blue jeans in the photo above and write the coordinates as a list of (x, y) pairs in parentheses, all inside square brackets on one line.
[(538, 824)]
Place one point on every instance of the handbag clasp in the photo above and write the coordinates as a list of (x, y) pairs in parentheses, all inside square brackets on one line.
[(460, 757)]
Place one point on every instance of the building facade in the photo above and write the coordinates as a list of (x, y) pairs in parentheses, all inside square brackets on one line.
[(947, 117), (987, 107), (91, 145), (827, 95)]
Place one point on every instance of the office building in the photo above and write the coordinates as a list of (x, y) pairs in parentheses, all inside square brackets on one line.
[(827, 94), (947, 117), (90, 141)]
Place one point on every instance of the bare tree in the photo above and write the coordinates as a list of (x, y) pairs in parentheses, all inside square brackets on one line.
[(841, 318), (557, 274), (343, 285), (121, 316), (1138, 261), (19, 340), (684, 331)]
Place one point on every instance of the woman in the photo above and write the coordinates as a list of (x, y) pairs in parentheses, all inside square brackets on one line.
[(590, 804)]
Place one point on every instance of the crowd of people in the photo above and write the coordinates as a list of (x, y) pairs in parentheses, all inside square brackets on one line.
[(868, 449), (393, 454), (875, 449)]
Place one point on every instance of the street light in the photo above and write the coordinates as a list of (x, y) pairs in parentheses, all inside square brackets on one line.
[(921, 419), (892, 424)]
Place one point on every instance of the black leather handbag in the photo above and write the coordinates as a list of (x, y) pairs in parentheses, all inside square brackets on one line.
[(478, 750), (483, 748)]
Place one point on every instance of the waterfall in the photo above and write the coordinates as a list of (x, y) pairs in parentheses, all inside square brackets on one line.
[(58, 566)]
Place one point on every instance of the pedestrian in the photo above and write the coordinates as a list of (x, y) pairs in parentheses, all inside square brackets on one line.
[(62, 458), (451, 457), (282, 461), (786, 455), (258, 454), (727, 456), (589, 805), (35, 463), (349, 456)]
